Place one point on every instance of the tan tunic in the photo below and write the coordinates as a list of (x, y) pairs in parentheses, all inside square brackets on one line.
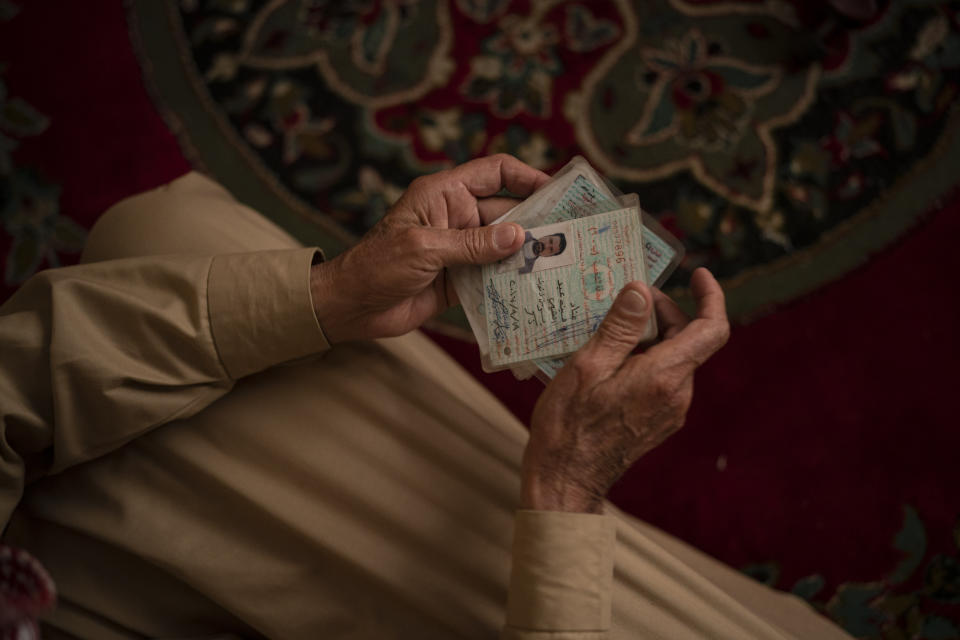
[(181, 483)]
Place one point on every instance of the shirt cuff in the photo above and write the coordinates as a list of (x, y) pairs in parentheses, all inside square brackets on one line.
[(562, 575), (261, 312)]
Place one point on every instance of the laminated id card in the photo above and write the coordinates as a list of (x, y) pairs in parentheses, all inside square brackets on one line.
[(567, 273), (546, 300)]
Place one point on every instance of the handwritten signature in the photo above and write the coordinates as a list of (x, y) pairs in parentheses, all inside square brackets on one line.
[(585, 327), (501, 315)]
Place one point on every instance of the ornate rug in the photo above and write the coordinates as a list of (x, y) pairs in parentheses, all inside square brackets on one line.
[(820, 454), (782, 141)]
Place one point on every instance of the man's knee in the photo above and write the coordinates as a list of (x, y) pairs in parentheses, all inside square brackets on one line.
[(191, 215)]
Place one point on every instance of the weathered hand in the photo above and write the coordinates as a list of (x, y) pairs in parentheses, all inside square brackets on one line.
[(394, 278), (607, 406)]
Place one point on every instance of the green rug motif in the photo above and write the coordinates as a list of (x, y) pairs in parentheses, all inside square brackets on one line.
[(782, 142)]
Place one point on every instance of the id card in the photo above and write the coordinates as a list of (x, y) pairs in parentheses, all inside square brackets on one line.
[(549, 298)]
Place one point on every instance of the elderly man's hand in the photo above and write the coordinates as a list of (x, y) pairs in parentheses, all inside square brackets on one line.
[(608, 406), (394, 279)]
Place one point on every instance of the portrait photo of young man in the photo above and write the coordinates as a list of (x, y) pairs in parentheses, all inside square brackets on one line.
[(543, 248)]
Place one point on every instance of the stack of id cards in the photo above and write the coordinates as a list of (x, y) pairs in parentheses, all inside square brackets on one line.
[(584, 241)]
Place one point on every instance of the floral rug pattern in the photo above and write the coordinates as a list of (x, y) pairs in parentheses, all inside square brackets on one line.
[(918, 598), (33, 234), (758, 131), (752, 130), (747, 161)]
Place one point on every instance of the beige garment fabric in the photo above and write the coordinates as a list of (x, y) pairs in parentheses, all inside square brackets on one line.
[(199, 489)]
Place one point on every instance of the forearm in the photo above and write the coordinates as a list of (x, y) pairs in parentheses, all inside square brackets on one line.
[(95, 355), (541, 492)]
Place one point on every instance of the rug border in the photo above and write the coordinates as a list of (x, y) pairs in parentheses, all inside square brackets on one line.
[(750, 294), (218, 158)]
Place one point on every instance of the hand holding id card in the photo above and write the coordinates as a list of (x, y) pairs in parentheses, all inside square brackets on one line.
[(583, 242)]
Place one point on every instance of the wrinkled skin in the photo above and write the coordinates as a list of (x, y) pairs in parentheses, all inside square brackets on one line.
[(606, 407), (394, 279)]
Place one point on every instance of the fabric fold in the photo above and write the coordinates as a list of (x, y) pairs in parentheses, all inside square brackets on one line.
[(261, 311)]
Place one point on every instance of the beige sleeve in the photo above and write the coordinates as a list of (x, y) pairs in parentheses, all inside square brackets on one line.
[(97, 354), (562, 576)]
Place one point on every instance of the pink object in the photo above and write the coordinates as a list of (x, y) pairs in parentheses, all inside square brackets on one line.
[(26, 591)]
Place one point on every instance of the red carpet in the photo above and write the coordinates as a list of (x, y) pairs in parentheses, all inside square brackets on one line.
[(809, 434)]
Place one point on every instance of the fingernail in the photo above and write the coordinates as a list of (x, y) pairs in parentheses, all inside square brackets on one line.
[(634, 303), (504, 235)]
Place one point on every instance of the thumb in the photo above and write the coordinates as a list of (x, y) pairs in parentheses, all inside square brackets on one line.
[(479, 245), (627, 323)]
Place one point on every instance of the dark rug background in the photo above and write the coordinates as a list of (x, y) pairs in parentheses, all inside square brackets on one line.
[(821, 450)]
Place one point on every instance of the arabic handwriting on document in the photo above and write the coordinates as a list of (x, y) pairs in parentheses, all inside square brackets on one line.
[(554, 311)]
